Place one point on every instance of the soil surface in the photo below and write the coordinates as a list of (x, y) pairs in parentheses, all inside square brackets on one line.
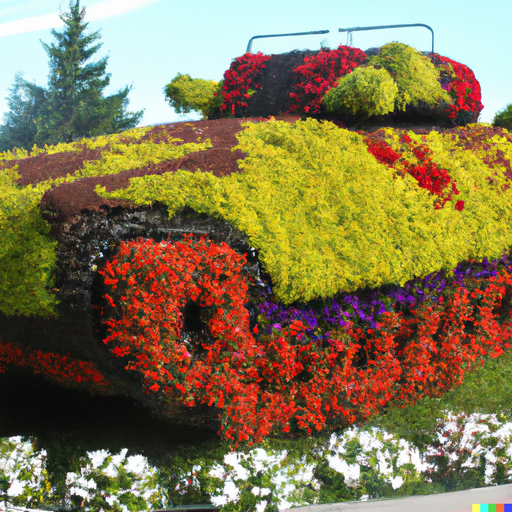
[(69, 199)]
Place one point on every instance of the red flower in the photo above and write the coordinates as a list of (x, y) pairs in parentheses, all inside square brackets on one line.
[(319, 73), (426, 172), (463, 87), (242, 73)]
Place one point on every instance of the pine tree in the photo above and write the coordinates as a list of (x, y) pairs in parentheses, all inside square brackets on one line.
[(26, 104), (73, 105)]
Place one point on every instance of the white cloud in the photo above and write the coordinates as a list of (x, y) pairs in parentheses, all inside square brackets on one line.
[(30, 24), (99, 11)]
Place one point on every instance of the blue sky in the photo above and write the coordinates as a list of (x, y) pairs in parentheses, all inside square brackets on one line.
[(149, 41)]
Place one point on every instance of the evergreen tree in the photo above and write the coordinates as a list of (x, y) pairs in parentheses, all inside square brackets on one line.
[(26, 104), (73, 105)]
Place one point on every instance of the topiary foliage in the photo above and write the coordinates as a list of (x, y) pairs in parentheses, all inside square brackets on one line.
[(503, 118), (415, 225), (258, 85), (27, 259), (416, 77), (186, 94), (460, 82), (366, 92)]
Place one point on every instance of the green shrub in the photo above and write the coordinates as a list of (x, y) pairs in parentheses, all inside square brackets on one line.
[(186, 94), (415, 76), (27, 256), (503, 117), (366, 91)]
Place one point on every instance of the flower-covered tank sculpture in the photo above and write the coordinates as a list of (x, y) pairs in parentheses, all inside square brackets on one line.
[(269, 275)]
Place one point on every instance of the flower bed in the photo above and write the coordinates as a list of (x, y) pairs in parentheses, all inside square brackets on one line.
[(460, 82), (359, 240), (283, 379), (306, 84)]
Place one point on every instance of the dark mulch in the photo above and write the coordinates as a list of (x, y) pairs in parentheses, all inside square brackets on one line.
[(42, 167), (71, 198)]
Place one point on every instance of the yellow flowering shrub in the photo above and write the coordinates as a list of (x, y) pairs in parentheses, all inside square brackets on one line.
[(102, 141), (366, 91), (186, 94), (27, 257), (415, 76)]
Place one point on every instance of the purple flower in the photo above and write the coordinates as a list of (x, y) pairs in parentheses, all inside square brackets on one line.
[(366, 307)]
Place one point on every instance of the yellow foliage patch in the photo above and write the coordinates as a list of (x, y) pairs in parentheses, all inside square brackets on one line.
[(326, 217), (27, 256)]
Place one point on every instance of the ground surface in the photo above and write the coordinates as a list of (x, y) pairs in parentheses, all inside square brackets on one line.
[(459, 501)]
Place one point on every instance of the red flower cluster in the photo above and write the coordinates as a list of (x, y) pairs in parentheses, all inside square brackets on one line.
[(264, 384), (62, 369), (239, 78), (474, 322), (150, 283), (382, 151), (319, 73), (464, 88), (405, 359), (428, 174)]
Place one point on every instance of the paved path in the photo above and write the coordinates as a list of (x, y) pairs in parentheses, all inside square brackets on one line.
[(459, 501)]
